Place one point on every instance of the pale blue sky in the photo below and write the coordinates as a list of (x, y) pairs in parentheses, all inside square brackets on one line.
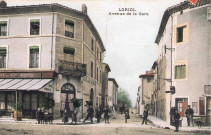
[(129, 42)]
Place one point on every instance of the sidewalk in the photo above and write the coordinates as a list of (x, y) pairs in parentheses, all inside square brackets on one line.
[(163, 124), (34, 121)]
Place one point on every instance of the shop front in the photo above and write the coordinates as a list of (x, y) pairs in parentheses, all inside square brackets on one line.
[(25, 91)]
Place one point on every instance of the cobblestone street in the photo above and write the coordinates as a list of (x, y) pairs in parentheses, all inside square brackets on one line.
[(116, 126)]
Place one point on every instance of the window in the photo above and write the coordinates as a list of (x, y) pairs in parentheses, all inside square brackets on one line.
[(34, 57), (69, 50), (91, 69), (180, 72), (69, 28), (34, 26), (2, 100), (3, 28), (92, 42), (97, 52), (3, 55), (181, 33), (148, 80)]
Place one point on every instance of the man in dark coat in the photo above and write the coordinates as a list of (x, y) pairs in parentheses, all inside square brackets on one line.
[(127, 115), (145, 115), (189, 114), (106, 114), (176, 120), (98, 114), (38, 115), (90, 114)]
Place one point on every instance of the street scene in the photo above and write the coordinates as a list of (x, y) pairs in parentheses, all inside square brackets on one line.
[(105, 67)]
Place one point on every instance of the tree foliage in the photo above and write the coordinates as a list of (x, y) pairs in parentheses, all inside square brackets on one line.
[(123, 98)]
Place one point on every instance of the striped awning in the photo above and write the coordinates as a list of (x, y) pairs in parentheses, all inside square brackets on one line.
[(44, 85)]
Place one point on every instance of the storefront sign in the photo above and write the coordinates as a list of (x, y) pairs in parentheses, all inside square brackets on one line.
[(21, 75), (48, 88)]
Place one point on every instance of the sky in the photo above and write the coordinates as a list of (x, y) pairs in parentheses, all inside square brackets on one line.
[(128, 39)]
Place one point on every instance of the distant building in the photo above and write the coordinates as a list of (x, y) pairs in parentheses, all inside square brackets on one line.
[(112, 92), (49, 50), (184, 59), (105, 70), (146, 89)]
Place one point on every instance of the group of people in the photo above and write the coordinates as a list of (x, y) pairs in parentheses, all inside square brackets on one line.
[(66, 115), (44, 116), (176, 117), (99, 111)]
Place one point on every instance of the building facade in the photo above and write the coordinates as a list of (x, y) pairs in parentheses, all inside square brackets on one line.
[(184, 59), (112, 92), (146, 90), (49, 50), (106, 69)]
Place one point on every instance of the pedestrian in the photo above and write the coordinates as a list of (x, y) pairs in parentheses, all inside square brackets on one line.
[(176, 120), (50, 113), (145, 115), (106, 114), (65, 117), (42, 115), (98, 114), (189, 114), (90, 114), (127, 115), (74, 117), (38, 115)]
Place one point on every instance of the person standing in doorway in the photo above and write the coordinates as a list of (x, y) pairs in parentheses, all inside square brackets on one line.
[(189, 114), (145, 115)]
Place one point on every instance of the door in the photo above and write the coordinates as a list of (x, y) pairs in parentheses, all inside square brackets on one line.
[(181, 104)]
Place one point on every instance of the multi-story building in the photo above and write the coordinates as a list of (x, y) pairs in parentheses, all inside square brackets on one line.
[(146, 90), (106, 69), (112, 92), (49, 50), (184, 58)]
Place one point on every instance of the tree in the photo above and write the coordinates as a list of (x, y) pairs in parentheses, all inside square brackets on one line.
[(123, 98)]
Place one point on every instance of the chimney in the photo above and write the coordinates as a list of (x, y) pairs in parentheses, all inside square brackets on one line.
[(84, 9), (147, 72), (3, 4)]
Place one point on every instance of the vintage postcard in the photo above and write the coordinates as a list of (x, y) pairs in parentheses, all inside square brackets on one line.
[(110, 67)]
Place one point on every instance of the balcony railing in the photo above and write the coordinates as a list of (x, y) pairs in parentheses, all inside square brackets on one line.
[(71, 68)]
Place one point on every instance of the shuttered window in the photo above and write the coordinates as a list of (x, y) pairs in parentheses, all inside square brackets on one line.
[(69, 28), (3, 54), (3, 28), (35, 27), (34, 57), (180, 71)]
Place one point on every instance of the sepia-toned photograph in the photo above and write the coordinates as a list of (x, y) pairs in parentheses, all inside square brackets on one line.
[(105, 67)]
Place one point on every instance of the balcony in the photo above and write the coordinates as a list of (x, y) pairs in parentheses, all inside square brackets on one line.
[(71, 68)]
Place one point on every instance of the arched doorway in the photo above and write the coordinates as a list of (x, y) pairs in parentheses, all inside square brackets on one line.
[(91, 96), (67, 93)]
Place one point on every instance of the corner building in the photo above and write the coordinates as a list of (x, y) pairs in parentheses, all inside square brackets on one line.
[(49, 50)]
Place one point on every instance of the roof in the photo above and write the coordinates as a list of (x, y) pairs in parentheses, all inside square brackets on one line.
[(107, 67), (112, 79), (147, 74), (177, 8), (54, 7)]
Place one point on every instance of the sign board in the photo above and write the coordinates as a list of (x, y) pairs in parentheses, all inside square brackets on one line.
[(29, 75), (47, 88)]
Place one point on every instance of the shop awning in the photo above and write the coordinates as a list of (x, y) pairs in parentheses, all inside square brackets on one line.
[(44, 85)]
